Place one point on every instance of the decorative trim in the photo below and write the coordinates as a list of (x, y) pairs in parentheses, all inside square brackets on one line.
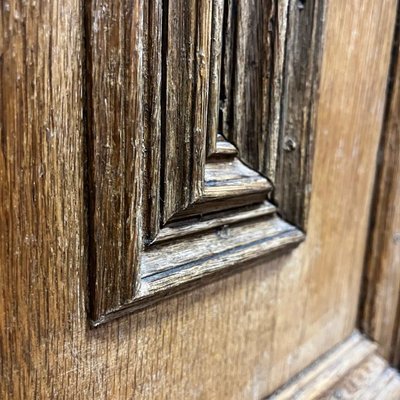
[(173, 201)]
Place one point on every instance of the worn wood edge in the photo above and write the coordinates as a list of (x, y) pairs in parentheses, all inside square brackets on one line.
[(228, 184), (200, 252), (360, 381), (224, 195), (222, 149), (293, 178), (351, 370), (315, 379), (379, 313), (149, 296), (205, 222), (213, 138), (111, 202)]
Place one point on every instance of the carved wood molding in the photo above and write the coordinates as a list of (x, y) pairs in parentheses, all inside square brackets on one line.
[(189, 105)]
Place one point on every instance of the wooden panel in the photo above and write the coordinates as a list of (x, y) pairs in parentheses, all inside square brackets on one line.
[(270, 80), (155, 156), (294, 159), (193, 33), (381, 307), (254, 50), (352, 370), (215, 76), (253, 330), (152, 67), (187, 62), (114, 94)]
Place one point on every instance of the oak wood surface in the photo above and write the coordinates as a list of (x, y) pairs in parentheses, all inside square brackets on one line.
[(113, 121), (152, 96), (241, 337), (252, 74), (381, 301), (353, 370), (295, 147)]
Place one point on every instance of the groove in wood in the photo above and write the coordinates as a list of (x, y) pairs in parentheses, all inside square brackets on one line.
[(380, 309), (183, 104)]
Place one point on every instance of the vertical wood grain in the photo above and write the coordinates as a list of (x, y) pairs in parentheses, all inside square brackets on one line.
[(187, 50), (43, 246), (241, 337), (217, 35), (381, 303), (114, 95), (295, 149), (252, 73), (152, 82)]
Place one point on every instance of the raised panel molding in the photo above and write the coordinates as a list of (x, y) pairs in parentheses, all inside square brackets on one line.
[(200, 124)]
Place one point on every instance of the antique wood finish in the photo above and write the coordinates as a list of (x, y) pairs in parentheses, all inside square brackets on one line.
[(267, 115), (293, 162), (114, 147), (239, 337), (252, 79), (351, 371), (187, 48), (155, 77), (381, 300)]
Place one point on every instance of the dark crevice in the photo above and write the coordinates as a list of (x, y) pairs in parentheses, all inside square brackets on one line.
[(88, 142), (164, 54)]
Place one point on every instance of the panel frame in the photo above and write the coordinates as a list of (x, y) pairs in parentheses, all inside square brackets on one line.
[(117, 283)]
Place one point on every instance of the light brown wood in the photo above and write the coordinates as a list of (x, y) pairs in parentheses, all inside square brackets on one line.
[(380, 316), (352, 370), (240, 337)]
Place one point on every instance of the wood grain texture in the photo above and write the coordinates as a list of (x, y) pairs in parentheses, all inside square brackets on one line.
[(254, 48), (152, 111), (352, 370), (269, 94), (114, 128), (381, 302), (213, 220), (187, 68), (215, 75), (152, 94), (240, 337), (295, 148)]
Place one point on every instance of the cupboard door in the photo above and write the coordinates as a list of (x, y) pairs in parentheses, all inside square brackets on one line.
[(238, 337)]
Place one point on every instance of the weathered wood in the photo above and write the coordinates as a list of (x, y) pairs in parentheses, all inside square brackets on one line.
[(198, 224), (172, 268), (152, 110), (114, 113), (152, 104), (222, 246), (215, 75), (187, 62), (294, 159), (265, 323), (352, 370), (223, 148), (381, 301), (228, 184), (255, 34)]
